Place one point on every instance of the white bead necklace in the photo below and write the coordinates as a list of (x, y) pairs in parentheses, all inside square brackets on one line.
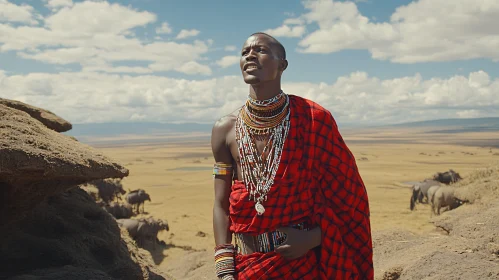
[(258, 173)]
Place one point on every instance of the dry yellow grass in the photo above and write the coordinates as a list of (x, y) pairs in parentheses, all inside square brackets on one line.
[(178, 178)]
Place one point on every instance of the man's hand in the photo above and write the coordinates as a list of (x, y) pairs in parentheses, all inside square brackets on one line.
[(298, 242)]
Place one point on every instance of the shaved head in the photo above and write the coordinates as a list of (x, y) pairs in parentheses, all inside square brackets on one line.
[(276, 45)]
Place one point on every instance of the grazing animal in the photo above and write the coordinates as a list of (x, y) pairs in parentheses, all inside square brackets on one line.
[(444, 197), (119, 211), (138, 197), (134, 227), (143, 229), (447, 177), (109, 189), (420, 191), (431, 192), (155, 226)]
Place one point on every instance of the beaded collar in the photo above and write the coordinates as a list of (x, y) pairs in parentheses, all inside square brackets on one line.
[(268, 117), (260, 116)]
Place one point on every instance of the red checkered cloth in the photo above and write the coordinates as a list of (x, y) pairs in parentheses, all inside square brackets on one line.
[(317, 182)]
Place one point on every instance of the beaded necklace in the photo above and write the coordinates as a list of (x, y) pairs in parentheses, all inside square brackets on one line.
[(260, 118), (262, 115)]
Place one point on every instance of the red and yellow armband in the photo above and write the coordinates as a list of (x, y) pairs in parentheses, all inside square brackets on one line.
[(221, 168)]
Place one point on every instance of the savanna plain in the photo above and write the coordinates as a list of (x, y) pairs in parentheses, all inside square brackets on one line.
[(176, 172)]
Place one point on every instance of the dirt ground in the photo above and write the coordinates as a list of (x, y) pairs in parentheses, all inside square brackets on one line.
[(177, 175)]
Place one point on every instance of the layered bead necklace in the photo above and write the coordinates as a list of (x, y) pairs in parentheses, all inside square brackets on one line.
[(259, 118)]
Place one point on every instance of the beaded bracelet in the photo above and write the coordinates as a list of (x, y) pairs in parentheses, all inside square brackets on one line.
[(227, 276), (224, 260), (221, 168)]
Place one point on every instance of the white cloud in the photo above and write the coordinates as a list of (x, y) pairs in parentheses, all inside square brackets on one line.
[(230, 48), (193, 67), (227, 61), (11, 12), (56, 4), (294, 21), (287, 31), (110, 97), (137, 117), (94, 35), (422, 31), (90, 18), (353, 98), (468, 114), (164, 29), (184, 33)]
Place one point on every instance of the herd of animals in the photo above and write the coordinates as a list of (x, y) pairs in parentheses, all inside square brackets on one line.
[(142, 230), (438, 192)]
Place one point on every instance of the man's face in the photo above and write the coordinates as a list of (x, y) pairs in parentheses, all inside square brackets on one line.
[(259, 61)]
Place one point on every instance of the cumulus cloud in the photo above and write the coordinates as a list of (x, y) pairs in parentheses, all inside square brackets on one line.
[(227, 61), (97, 18), (10, 12), (184, 33), (294, 21), (164, 29), (56, 4), (421, 31), (468, 114), (287, 31), (193, 67), (95, 36), (357, 97), (230, 48)]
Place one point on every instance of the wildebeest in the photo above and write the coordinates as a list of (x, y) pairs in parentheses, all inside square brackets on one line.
[(447, 177), (138, 197), (109, 189), (143, 229), (420, 191), (119, 211), (431, 192), (444, 197)]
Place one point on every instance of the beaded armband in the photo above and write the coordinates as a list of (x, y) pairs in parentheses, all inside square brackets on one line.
[(221, 168), (224, 260)]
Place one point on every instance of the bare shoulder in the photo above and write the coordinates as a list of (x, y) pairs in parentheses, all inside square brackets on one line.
[(223, 125), (220, 137)]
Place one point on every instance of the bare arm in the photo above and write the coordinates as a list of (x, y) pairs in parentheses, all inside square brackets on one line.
[(222, 183)]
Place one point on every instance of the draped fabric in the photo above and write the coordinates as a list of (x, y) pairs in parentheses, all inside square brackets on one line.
[(317, 182)]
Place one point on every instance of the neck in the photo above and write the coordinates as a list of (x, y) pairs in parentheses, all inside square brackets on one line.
[(264, 91)]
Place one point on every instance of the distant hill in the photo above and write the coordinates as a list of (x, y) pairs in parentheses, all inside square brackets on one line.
[(136, 128), (154, 128), (451, 122), (452, 125)]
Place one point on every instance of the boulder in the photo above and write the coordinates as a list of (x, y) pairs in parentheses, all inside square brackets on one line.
[(37, 162), (46, 117)]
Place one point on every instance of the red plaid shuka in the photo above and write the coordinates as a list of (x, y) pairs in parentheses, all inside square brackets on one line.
[(317, 182)]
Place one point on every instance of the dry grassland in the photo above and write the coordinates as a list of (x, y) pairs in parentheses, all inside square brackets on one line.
[(177, 175)]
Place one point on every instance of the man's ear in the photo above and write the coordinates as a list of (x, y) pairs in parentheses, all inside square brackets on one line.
[(283, 64)]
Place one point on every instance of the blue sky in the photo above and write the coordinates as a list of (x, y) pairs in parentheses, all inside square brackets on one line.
[(367, 61)]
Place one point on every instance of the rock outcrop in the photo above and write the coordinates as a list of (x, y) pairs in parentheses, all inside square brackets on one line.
[(37, 162), (46, 117), (68, 236), (51, 228), (465, 244)]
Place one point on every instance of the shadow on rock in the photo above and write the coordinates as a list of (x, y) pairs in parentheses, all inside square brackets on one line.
[(69, 237)]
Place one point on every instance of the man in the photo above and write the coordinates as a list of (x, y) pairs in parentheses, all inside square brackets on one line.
[(287, 188)]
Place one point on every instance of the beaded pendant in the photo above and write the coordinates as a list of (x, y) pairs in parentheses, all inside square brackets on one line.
[(259, 173)]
